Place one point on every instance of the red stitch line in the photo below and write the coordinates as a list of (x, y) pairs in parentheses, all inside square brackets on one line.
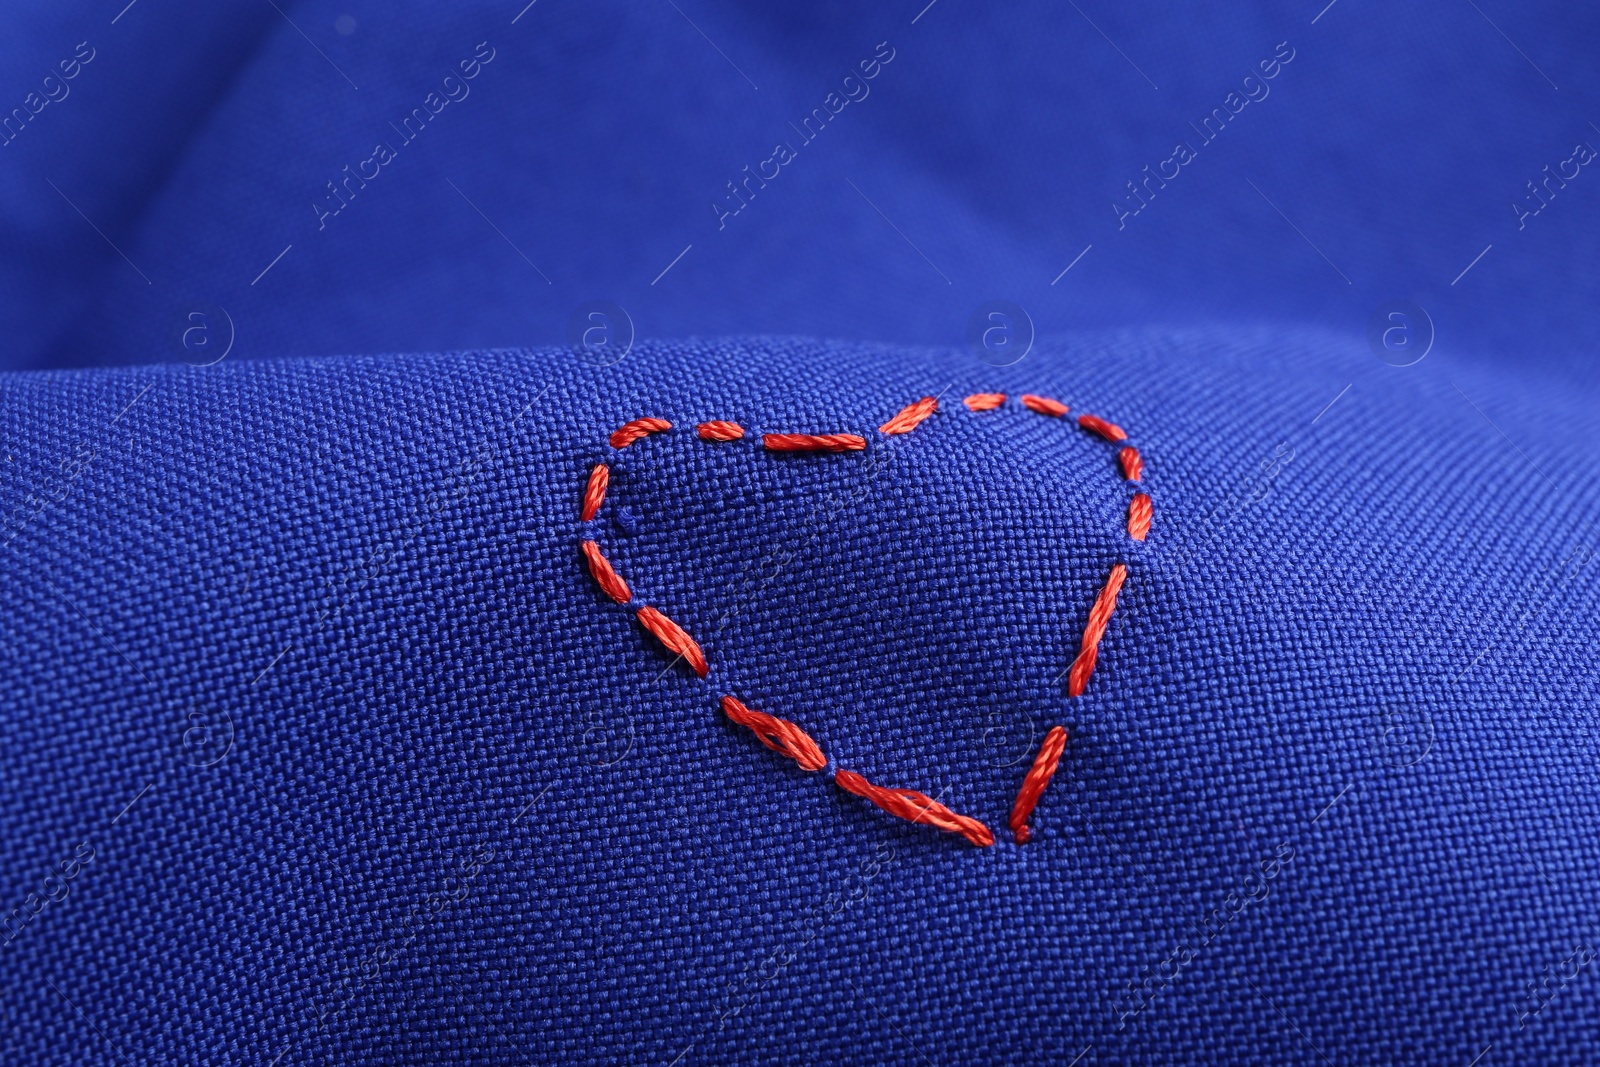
[(910, 416), (604, 576), (1132, 463), (595, 493), (809, 442), (915, 807), (985, 401), (719, 431), (1038, 776), (673, 636), (1109, 430), (1044, 405), (632, 431), (1139, 517), (1099, 616), (780, 735)]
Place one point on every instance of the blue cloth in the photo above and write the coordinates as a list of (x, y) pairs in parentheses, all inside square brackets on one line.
[(321, 745), (325, 626), (993, 149)]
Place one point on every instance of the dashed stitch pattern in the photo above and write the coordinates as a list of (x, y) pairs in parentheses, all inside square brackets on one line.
[(789, 739)]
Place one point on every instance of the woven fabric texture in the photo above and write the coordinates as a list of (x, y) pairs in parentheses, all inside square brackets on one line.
[(350, 761)]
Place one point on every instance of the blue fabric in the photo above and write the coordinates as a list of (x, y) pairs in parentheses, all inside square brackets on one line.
[(588, 153), (333, 615), (321, 746)]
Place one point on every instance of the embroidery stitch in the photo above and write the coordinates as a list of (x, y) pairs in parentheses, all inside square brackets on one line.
[(1109, 430), (915, 807), (790, 740), (985, 401), (633, 431), (604, 575), (719, 431), (1044, 405), (1132, 463), (1139, 517), (780, 735), (675, 638), (594, 494), (1099, 616), (910, 416), (1038, 776), (813, 442)]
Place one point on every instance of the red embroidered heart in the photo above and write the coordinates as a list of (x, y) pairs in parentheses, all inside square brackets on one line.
[(789, 739)]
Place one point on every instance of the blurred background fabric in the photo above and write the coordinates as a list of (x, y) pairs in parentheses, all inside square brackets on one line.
[(319, 745), (978, 163)]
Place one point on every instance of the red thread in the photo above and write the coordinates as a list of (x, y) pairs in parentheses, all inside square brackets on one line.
[(595, 493), (1099, 616), (608, 579), (1139, 517), (813, 442), (1033, 783), (915, 807), (985, 401), (780, 735), (1044, 405), (632, 431), (1132, 463), (910, 416), (673, 636), (719, 431), (1109, 430)]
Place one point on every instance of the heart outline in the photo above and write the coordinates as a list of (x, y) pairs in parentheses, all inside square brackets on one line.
[(789, 739)]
